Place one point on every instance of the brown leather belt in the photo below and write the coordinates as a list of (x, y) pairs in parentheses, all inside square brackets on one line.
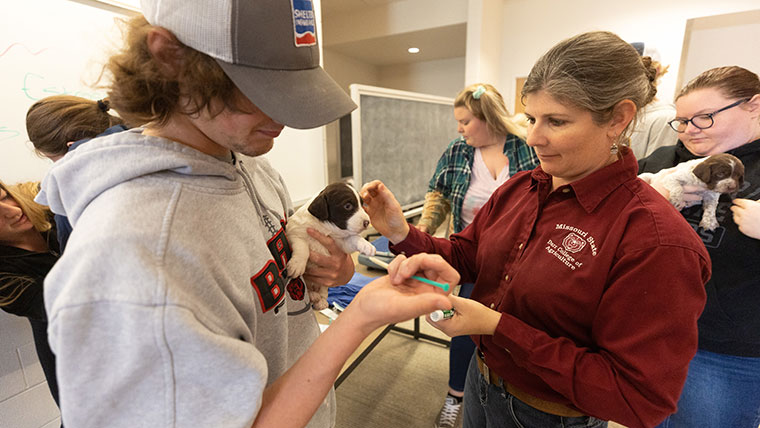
[(535, 402)]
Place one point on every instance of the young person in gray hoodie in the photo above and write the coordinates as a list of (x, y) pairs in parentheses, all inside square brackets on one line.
[(172, 305)]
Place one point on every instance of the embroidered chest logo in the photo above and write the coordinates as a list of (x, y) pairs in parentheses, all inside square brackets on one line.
[(573, 243), (571, 246)]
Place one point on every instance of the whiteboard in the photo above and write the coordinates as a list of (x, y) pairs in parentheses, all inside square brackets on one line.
[(50, 47), (719, 40), (397, 137)]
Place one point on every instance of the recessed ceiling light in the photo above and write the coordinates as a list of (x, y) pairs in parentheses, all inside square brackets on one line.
[(413, 50)]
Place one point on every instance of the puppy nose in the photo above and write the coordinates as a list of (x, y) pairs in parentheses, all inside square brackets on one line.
[(366, 224)]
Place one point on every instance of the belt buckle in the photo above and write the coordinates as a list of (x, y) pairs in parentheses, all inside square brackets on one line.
[(486, 370)]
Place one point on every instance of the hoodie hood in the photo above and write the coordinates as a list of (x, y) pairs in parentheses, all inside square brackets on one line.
[(104, 162)]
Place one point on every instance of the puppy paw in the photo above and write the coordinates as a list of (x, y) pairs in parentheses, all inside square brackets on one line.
[(319, 304), (314, 296), (296, 267), (366, 248), (678, 203), (708, 224)]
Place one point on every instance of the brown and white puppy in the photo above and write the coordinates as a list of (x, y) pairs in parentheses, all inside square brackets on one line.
[(336, 212), (716, 174)]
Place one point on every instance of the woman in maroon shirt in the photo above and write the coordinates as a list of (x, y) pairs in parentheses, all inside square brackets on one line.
[(589, 283)]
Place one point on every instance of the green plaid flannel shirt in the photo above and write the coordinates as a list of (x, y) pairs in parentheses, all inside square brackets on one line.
[(452, 178)]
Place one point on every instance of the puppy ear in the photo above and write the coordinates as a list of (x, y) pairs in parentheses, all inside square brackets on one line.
[(703, 171), (318, 207), (739, 171)]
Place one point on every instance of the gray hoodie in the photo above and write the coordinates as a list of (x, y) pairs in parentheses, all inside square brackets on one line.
[(170, 306)]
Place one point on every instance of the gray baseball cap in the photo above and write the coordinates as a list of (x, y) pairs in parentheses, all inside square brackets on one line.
[(268, 48)]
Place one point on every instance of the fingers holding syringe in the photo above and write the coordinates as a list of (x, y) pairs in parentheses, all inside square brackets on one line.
[(467, 317)]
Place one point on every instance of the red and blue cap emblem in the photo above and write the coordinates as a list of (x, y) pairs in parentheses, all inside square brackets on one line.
[(304, 23)]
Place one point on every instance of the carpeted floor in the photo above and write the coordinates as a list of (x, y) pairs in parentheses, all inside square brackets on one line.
[(401, 383)]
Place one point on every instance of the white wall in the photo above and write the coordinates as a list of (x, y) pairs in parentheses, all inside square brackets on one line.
[(25, 400), (533, 26), (483, 44), (440, 77), (714, 41), (346, 70)]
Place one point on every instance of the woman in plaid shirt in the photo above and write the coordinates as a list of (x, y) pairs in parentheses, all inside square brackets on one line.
[(491, 149)]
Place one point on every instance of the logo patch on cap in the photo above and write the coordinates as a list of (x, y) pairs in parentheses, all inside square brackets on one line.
[(304, 23)]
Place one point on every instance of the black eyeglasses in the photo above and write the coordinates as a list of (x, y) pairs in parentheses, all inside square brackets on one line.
[(701, 121)]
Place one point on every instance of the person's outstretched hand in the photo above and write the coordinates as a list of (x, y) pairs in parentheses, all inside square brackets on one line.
[(747, 216), (384, 211), (385, 301), (470, 317)]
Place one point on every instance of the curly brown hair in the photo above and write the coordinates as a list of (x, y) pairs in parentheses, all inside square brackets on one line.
[(142, 90)]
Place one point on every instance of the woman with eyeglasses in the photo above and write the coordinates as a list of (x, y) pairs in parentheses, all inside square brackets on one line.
[(719, 112)]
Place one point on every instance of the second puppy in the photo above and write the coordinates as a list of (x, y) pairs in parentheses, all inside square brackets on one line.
[(336, 212), (716, 174)]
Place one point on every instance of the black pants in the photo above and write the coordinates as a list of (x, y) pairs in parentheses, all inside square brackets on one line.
[(46, 356)]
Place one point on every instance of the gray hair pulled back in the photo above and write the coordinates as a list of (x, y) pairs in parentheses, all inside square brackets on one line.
[(594, 71)]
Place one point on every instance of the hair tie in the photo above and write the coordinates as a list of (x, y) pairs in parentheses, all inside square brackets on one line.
[(103, 106), (480, 90)]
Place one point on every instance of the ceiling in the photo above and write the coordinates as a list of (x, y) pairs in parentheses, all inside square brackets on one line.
[(434, 43)]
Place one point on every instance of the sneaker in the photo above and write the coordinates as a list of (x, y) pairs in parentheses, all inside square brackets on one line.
[(449, 415)]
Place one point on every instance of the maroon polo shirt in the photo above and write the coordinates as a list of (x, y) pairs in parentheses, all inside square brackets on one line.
[(600, 284)]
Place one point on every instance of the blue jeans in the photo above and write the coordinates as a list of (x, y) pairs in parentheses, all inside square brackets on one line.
[(490, 406), (720, 391), (462, 348)]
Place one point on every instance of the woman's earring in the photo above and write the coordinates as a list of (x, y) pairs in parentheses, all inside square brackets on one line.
[(614, 149)]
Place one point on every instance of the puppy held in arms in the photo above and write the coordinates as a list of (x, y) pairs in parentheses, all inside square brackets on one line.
[(713, 175), (336, 212)]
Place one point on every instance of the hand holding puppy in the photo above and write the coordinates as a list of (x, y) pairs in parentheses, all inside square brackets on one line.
[(691, 194), (330, 270)]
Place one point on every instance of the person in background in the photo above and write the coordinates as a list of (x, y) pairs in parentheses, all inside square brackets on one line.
[(55, 123), (719, 112), (652, 131), (171, 305), (588, 284), (28, 250), (60, 123), (490, 150)]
